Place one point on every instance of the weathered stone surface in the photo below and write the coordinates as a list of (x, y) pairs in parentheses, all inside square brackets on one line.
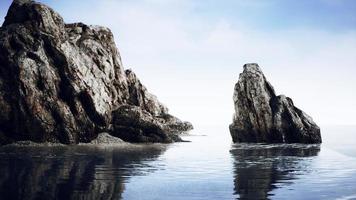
[(106, 139), (139, 96), (61, 82), (261, 116), (134, 124), (137, 125), (145, 119)]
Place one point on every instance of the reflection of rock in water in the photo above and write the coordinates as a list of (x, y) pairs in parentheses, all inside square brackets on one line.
[(72, 173), (258, 168)]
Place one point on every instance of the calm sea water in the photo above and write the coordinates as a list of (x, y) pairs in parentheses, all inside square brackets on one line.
[(208, 167)]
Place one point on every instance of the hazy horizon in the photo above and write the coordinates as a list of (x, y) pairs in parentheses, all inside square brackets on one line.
[(190, 53)]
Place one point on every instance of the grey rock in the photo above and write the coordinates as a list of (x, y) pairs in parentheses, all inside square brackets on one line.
[(261, 116), (135, 124), (61, 82), (106, 139), (139, 96)]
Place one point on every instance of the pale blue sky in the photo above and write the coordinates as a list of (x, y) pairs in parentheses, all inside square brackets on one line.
[(190, 52), (333, 15)]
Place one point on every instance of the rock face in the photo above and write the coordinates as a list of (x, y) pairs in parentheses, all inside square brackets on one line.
[(63, 82), (261, 116)]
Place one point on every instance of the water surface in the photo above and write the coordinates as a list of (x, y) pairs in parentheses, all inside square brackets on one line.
[(208, 167)]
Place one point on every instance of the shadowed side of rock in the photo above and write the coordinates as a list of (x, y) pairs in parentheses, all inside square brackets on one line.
[(261, 116), (62, 82)]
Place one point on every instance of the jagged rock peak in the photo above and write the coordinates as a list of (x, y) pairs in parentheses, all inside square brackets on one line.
[(63, 82), (261, 116), (38, 15), (252, 68)]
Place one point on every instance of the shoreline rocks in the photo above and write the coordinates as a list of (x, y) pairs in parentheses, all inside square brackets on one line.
[(61, 83), (263, 117)]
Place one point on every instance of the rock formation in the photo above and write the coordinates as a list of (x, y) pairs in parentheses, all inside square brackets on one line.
[(63, 82), (261, 116)]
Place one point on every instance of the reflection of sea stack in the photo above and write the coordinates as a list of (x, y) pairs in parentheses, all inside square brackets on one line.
[(257, 169), (65, 83), (79, 173), (261, 116)]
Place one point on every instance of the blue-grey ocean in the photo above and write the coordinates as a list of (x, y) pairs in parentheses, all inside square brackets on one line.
[(208, 167)]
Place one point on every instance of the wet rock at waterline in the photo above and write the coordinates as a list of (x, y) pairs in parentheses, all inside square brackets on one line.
[(262, 116), (62, 82)]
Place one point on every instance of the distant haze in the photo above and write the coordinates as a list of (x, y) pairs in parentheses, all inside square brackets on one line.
[(190, 52)]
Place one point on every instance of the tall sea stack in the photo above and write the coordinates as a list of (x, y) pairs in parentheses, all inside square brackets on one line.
[(262, 117), (65, 83)]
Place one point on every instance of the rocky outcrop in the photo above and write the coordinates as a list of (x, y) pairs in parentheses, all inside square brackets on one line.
[(261, 116), (145, 109), (62, 82), (135, 124)]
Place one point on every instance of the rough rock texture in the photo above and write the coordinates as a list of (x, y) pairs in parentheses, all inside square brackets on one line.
[(61, 82), (106, 139), (140, 97), (261, 116), (135, 124)]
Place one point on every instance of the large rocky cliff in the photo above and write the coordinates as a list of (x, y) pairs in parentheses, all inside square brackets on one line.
[(262, 116), (66, 83)]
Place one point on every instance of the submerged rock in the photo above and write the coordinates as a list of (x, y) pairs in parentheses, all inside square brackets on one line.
[(62, 82), (261, 116)]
